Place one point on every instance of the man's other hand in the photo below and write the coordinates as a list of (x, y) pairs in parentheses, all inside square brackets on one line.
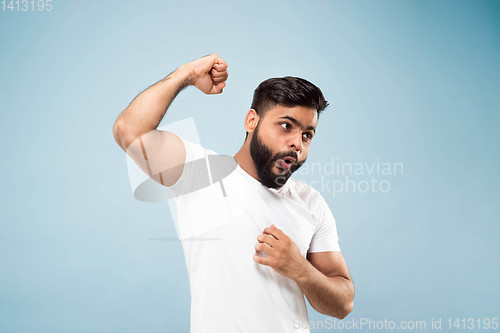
[(282, 253)]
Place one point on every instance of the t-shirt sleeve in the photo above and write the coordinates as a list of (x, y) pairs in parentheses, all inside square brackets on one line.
[(194, 174), (325, 237)]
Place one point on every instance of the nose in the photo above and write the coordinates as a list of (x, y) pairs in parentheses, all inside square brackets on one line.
[(296, 141)]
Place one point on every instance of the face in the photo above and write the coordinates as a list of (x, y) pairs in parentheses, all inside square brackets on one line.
[(281, 141)]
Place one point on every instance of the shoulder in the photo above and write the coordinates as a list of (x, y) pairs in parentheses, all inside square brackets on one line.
[(311, 197)]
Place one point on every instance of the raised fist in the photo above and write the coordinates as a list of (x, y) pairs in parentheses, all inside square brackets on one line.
[(208, 74)]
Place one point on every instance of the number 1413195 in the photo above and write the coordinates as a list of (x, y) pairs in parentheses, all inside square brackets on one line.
[(26, 5)]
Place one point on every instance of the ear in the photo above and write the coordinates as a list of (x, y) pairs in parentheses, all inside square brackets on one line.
[(251, 120)]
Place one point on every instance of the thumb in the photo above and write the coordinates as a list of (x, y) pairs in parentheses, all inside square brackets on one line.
[(219, 87)]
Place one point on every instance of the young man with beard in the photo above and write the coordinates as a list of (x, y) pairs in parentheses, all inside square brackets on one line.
[(256, 245)]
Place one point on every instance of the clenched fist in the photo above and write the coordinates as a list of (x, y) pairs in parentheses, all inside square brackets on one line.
[(208, 74), (281, 252)]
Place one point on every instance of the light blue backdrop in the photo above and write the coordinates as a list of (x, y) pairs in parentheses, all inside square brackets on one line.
[(409, 82)]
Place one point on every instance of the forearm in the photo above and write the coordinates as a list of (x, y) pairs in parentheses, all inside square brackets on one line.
[(332, 296), (146, 111)]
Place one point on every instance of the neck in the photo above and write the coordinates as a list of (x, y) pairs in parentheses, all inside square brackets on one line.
[(245, 160)]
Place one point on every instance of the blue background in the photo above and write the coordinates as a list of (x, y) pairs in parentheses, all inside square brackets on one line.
[(414, 82)]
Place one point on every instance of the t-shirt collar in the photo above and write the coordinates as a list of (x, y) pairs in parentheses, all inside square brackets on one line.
[(282, 189)]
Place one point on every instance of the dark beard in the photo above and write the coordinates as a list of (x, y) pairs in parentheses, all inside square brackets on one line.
[(264, 162)]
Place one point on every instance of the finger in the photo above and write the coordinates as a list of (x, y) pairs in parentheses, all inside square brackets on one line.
[(220, 65), (272, 230), (219, 76), (216, 73), (267, 239), (258, 259), (261, 247), (216, 80), (277, 232)]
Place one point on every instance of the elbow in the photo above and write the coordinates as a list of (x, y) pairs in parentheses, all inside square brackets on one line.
[(342, 312), (347, 305), (347, 309), (118, 133), (121, 135)]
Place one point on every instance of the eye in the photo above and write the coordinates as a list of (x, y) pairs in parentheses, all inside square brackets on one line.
[(285, 125), (307, 136)]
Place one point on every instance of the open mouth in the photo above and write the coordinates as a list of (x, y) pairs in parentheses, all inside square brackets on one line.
[(286, 162)]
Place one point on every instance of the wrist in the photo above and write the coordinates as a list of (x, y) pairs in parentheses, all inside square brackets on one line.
[(303, 271), (186, 74)]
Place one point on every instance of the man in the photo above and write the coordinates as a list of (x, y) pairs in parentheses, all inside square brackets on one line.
[(256, 247)]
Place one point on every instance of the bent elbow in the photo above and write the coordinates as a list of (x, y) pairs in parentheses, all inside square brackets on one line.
[(348, 308), (118, 134), (349, 304), (121, 135)]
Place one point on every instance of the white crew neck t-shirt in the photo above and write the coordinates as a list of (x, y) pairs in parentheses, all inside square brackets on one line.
[(218, 225)]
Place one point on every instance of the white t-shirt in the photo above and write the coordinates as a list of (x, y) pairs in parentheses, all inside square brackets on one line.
[(218, 224)]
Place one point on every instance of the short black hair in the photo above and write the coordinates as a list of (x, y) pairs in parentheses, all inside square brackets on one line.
[(288, 91)]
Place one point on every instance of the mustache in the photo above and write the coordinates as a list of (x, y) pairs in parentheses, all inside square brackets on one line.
[(287, 154)]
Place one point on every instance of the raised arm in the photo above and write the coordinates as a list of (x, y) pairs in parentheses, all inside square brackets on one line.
[(161, 154)]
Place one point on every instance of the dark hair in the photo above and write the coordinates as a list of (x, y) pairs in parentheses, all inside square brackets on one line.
[(287, 91)]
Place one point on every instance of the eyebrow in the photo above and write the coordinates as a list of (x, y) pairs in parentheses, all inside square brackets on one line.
[(296, 122)]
